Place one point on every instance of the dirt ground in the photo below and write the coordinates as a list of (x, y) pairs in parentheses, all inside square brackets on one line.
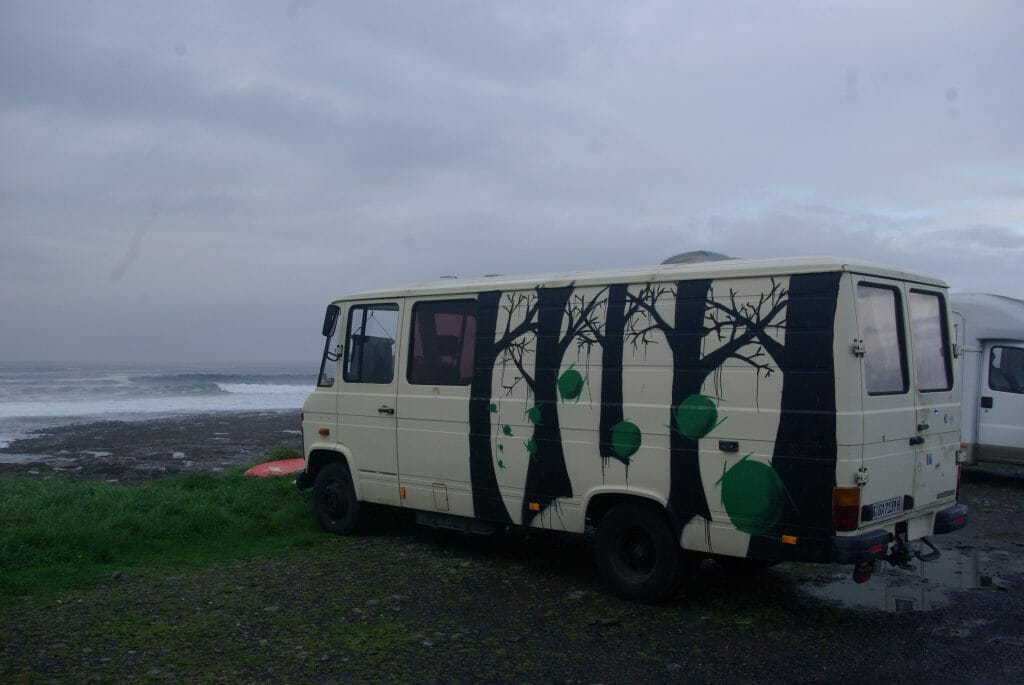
[(414, 605)]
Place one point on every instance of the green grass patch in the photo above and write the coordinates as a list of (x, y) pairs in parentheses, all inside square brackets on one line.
[(59, 533)]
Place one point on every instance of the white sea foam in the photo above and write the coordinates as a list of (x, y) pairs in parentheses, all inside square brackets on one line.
[(156, 405), (264, 389)]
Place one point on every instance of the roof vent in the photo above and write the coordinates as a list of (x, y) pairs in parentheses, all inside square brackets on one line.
[(696, 257)]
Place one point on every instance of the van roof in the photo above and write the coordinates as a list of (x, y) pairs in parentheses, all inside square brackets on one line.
[(731, 268), (989, 317)]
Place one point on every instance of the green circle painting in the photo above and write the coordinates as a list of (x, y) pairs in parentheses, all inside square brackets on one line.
[(752, 496), (570, 384), (696, 416), (625, 439)]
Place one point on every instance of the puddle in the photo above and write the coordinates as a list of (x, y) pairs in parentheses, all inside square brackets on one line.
[(926, 586)]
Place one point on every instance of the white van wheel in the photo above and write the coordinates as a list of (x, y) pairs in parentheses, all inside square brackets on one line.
[(636, 552), (334, 499)]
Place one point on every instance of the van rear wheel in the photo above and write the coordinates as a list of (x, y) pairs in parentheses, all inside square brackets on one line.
[(334, 499), (636, 553)]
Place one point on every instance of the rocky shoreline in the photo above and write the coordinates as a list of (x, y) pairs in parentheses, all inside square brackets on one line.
[(137, 450)]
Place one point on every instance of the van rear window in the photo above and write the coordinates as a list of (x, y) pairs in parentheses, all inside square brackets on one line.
[(443, 342), (879, 316), (931, 341)]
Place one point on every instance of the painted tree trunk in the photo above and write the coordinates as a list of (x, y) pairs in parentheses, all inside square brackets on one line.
[(611, 373), (547, 478), (487, 501), (686, 488), (805, 445)]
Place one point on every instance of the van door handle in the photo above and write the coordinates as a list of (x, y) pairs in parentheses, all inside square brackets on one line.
[(385, 409), (986, 402), (918, 440)]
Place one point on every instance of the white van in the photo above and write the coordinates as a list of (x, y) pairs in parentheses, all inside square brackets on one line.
[(754, 411), (990, 335)]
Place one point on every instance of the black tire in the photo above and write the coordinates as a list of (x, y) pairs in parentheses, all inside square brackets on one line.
[(637, 555), (334, 499)]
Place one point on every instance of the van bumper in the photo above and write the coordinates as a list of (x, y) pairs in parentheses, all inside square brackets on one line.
[(951, 519), (860, 549)]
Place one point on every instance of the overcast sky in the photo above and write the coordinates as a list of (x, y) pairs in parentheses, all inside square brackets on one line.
[(188, 182)]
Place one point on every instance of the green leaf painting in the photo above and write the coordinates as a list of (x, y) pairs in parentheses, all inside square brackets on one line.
[(531, 447), (493, 408), (506, 429), (533, 414)]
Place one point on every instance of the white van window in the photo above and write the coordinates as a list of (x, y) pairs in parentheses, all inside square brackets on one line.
[(879, 316), (443, 341), (1006, 369), (931, 344), (370, 343)]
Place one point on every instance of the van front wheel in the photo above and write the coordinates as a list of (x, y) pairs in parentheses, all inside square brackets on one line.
[(636, 553), (334, 499)]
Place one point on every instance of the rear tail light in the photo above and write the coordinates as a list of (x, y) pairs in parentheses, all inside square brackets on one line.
[(845, 508)]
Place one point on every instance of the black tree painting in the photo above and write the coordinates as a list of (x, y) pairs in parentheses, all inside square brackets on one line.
[(701, 320), (561, 320), (487, 501), (703, 331)]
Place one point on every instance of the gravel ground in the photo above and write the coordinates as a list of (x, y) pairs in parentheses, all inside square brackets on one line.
[(402, 603)]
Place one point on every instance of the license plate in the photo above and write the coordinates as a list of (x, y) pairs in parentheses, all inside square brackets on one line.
[(884, 509)]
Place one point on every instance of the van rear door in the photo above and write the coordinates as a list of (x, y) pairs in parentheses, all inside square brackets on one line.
[(937, 400), (911, 412), (890, 413)]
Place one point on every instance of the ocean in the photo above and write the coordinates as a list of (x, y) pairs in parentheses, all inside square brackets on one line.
[(34, 396)]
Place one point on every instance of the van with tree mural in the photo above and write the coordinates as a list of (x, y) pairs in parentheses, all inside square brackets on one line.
[(752, 411)]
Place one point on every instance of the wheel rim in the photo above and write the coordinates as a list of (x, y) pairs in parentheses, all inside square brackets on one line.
[(635, 554), (333, 501)]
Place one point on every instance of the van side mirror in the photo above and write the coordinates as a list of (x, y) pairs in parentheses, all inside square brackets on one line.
[(331, 319)]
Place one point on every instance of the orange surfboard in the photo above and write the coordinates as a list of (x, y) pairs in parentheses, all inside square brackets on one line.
[(276, 468)]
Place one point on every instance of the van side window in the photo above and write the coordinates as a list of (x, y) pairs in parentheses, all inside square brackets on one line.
[(443, 341), (1006, 369), (879, 316), (931, 341), (370, 343)]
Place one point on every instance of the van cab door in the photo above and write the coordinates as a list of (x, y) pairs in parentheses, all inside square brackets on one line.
[(367, 397), (1001, 410)]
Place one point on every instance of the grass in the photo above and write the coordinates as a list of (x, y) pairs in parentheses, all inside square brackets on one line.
[(58, 533)]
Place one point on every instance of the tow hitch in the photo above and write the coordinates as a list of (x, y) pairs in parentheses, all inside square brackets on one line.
[(905, 551), (902, 554)]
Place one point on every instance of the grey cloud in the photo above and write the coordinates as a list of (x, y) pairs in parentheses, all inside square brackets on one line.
[(302, 150)]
